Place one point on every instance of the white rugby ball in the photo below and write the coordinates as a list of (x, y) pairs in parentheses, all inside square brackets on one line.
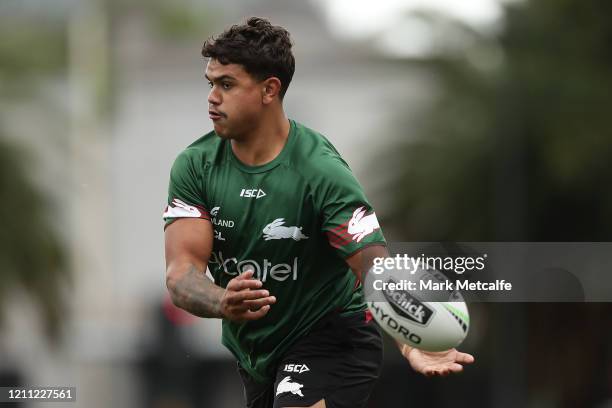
[(410, 316)]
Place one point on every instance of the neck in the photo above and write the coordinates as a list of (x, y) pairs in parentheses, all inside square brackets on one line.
[(264, 142)]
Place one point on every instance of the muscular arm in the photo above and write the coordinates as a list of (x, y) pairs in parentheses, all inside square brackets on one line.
[(361, 261), (188, 247)]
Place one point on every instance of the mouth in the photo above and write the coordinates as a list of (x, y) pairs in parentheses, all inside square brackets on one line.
[(214, 115)]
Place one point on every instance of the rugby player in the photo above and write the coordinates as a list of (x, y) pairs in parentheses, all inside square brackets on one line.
[(276, 215)]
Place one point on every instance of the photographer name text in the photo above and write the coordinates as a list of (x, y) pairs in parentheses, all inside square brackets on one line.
[(496, 285)]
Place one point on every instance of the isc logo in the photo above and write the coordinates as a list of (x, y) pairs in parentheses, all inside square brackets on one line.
[(296, 368), (252, 193)]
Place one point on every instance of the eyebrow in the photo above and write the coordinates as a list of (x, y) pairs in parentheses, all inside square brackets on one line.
[(221, 78)]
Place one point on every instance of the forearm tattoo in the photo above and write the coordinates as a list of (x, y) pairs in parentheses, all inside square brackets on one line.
[(197, 294)]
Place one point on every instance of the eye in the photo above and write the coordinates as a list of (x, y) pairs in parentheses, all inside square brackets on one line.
[(226, 85), (210, 84)]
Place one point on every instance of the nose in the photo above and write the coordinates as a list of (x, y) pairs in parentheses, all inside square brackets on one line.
[(214, 97)]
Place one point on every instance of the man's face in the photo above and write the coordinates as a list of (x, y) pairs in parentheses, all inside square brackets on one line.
[(235, 99)]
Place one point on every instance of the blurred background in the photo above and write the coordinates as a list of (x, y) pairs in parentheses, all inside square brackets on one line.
[(485, 120)]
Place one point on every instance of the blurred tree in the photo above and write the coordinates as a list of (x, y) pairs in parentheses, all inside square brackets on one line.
[(181, 19), (32, 257), (518, 143)]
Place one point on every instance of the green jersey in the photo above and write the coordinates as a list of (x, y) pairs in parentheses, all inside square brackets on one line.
[(293, 221)]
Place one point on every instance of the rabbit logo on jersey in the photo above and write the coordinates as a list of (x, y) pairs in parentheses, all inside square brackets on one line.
[(262, 271), (361, 225), (277, 230), (180, 209)]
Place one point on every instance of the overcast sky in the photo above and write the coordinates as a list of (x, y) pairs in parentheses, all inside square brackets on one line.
[(387, 23)]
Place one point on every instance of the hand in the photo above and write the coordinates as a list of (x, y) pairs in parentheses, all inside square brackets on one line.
[(436, 363), (244, 300)]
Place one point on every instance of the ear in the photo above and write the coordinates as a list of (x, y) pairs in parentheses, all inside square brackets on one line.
[(358, 213), (270, 89)]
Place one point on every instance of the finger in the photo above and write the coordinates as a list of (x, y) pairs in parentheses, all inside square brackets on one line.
[(258, 303), (431, 372), (242, 284), (257, 314), (455, 368), (237, 310), (443, 370), (248, 274), (464, 358), (240, 297), (443, 373)]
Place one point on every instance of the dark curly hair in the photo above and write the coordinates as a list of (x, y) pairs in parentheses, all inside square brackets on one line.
[(262, 49)]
